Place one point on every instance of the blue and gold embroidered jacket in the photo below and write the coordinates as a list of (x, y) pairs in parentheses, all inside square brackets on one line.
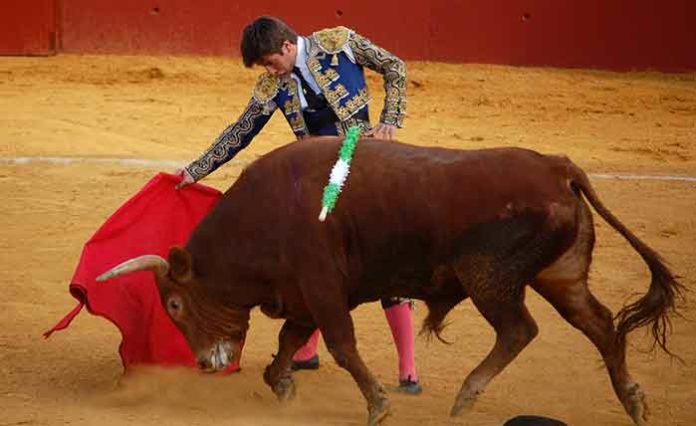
[(336, 58)]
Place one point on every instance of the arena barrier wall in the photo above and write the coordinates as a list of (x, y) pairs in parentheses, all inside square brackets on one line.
[(28, 27), (606, 34)]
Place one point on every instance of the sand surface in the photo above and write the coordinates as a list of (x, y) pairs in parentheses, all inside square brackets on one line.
[(170, 109)]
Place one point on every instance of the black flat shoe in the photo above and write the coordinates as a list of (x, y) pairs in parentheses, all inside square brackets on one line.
[(410, 387), (308, 364)]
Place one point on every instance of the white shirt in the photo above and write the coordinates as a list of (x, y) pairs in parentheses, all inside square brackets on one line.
[(301, 63)]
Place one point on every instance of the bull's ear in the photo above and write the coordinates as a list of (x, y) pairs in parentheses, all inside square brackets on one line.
[(180, 264)]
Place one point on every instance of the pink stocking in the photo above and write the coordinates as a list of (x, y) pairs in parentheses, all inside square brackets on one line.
[(401, 323), (309, 349)]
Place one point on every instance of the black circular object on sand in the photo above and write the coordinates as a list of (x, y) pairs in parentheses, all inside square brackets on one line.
[(533, 421)]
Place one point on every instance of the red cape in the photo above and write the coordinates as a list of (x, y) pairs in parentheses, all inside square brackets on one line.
[(156, 218)]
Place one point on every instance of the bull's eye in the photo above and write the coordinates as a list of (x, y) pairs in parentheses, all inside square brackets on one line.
[(174, 305)]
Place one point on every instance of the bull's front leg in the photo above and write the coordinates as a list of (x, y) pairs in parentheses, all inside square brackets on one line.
[(346, 355), (278, 374)]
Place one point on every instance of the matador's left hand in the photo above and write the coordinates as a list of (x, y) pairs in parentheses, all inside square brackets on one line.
[(382, 131)]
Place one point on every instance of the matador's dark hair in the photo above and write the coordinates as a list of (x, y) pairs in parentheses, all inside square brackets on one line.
[(264, 36)]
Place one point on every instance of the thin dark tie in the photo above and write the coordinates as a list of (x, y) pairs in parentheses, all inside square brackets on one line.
[(314, 101)]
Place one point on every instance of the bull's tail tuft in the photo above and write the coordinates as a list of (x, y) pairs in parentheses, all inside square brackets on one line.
[(434, 323), (656, 306)]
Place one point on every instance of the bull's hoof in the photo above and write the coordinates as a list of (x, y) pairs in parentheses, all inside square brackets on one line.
[(636, 406), (285, 389), (378, 411), (465, 400)]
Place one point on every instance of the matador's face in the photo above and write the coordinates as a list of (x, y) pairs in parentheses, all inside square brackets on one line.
[(280, 64)]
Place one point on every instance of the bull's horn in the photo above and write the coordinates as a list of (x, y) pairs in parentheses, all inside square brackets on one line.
[(148, 262)]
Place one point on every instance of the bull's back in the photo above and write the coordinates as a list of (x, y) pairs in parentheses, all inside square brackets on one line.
[(398, 188), (313, 158), (392, 178)]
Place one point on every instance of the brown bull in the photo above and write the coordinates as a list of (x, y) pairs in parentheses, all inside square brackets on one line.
[(434, 224)]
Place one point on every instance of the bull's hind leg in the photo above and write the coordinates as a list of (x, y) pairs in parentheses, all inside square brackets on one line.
[(573, 300), (564, 285), (514, 329), (278, 374)]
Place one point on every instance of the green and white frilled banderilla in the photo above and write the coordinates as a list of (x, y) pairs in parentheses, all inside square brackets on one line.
[(339, 172)]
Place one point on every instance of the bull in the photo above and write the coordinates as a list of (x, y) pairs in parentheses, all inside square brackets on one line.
[(439, 225)]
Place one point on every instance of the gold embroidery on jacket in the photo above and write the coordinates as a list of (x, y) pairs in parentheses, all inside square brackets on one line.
[(313, 63), (332, 40), (343, 126), (333, 96), (266, 88), (292, 105), (297, 123), (231, 137), (394, 71), (324, 79), (353, 105)]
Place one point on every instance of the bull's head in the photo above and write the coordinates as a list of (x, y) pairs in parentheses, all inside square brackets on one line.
[(213, 329)]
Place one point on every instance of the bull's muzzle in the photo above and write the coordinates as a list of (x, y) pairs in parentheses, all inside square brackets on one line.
[(218, 358)]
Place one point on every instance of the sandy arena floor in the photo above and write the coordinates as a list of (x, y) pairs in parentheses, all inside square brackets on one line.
[(171, 109)]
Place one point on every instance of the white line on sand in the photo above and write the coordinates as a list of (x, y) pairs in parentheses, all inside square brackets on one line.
[(618, 176), (66, 161), (173, 164)]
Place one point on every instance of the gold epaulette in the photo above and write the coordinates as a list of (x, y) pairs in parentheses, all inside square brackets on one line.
[(266, 88), (332, 40)]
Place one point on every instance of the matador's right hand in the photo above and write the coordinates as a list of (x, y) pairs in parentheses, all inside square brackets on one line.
[(186, 178)]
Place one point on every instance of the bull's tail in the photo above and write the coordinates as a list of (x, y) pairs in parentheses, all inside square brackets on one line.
[(654, 308), (434, 323)]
